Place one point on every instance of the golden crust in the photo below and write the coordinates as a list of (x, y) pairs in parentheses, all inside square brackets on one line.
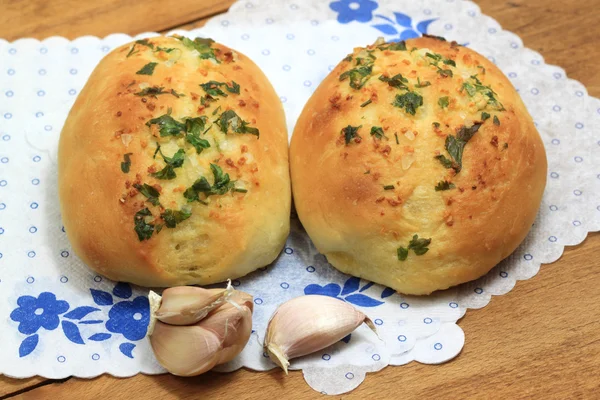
[(232, 235), (339, 189)]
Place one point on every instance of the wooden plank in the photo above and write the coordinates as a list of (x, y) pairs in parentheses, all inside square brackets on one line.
[(541, 340), (73, 18), (10, 385)]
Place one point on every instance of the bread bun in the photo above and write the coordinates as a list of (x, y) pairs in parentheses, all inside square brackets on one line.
[(173, 165), (416, 165)]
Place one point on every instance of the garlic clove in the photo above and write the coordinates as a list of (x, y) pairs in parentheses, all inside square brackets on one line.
[(185, 350), (307, 324), (217, 338), (186, 305), (232, 323)]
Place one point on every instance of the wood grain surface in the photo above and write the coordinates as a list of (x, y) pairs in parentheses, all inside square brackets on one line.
[(541, 340)]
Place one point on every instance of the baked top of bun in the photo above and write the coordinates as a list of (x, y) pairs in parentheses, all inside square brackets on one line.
[(173, 165), (416, 165)]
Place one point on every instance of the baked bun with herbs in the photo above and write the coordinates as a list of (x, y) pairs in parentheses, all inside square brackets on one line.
[(173, 165), (416, 165)]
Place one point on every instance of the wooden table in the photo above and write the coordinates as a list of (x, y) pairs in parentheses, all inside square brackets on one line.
[(541, 340)]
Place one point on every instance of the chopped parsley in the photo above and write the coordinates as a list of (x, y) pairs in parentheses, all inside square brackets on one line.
[(147, 69), (348, 58), (474, 87), (168, 172), (358, 76), (443, 102), (143, 42), (126, 163), (422, 84), (213, 88), (143, 229), (193, 128), (394, 46), (222, 184), (409, 101), (440, 38), (351, 133), (167, 125), (397, 141), (389, 187), (505, 146), (154, 91), (366, 103), (418, 245), (397, 81), (174, 217), (444, 185), (377, 131), (496, 120), (436, 59), (165, 49), (230, 119), (201, 45), (455, 146), (149, 192), (436, 125), (484, 116)]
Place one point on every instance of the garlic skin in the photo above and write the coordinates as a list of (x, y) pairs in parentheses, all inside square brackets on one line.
[(186, 305), (307, 324), (221, 327)]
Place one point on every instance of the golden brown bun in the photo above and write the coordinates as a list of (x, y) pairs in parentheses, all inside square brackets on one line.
[(339, 188), (233, 234)]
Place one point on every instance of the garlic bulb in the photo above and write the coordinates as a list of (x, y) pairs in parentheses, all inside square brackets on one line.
[(307, 324), (194, 329)]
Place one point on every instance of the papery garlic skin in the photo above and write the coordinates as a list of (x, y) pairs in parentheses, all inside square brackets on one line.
[(186, 305), (307, 324)]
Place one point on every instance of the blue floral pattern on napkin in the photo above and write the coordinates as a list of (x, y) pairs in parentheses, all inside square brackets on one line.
[(127, 318)]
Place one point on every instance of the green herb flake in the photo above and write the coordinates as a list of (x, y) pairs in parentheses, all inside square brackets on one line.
[(126, 163), (496, 120), (357, 76), (229, 119), (167, 125), (505, 146), (444, 161), (418, 245), (444, 185), (397, 141), (409, 101), (436, 125), (234, 88), (348, 58), (475, 86), (422, 84), (240, 190), (443, 102), (174, 217), (397, 81), (147, 69), (485, 116), (402, 253), (143, 42), (149, 192), (168, 172), (440, 38), (389, 187), (377, 131), (144, 230), (222, 184), (351, 133), (203, 46), (397, 46), (178, 95), (165, 49), (151, 91), (456, 144), (366, 103)]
